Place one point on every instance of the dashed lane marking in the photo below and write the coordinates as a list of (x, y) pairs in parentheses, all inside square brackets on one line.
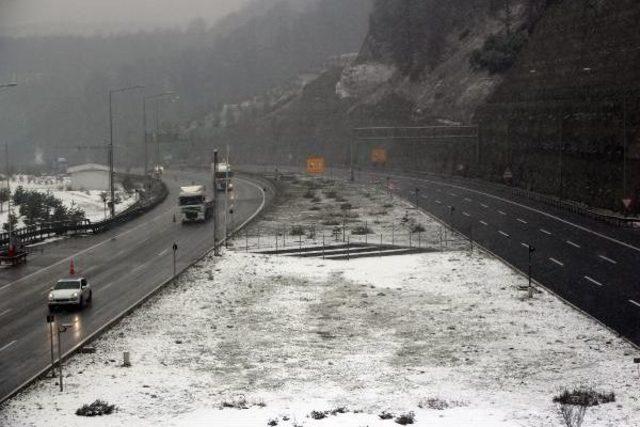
[(504, 234), (522, 221), (575, 245), (637, 304), (548, 233), (594, 281), (466, 214), (484, 223), (555, 261), (612, 261), (502, 213)]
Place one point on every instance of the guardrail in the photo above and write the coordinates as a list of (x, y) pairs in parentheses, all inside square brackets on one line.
[(157, 192)]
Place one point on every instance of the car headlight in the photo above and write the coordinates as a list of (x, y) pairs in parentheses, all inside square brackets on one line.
[(50, 296), (75, 295)]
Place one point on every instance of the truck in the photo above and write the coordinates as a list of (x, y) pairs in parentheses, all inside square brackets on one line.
[(224, 177), (194, 206)]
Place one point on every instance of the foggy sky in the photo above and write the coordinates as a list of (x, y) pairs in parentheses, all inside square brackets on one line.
[(86, 16)]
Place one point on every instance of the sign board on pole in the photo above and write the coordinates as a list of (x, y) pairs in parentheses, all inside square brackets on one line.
[(316, 165), (508, 175), (627, 203), (379, 156)]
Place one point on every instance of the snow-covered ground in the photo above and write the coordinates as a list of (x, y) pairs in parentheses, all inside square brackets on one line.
[(89, 201), (288, 336)]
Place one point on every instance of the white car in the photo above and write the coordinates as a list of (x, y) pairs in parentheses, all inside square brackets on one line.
[(70, 292)]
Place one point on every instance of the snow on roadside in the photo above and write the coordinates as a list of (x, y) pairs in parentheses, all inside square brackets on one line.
[(89, 201), (288, 336), (371, 335)]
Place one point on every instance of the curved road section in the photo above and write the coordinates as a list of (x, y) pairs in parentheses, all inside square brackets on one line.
[(123, 267)]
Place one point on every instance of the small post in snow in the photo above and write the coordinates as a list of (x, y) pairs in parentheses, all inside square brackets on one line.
[(175, 250)]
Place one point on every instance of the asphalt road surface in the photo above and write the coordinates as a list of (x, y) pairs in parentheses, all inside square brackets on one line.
[(594, 266), (122, 266)]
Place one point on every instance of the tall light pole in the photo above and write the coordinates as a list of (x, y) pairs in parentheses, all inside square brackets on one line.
[(112, 207), (144, 120), (6, 147)]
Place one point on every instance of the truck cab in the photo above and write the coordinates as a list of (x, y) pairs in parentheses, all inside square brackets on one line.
[(224, 177), (193, 203)]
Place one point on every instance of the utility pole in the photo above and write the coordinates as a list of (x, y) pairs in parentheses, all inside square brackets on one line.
[(624, 147), (531, 251), (51, 321), (9, 213), (226, 201), (351, 161), (144, 120), (216, 249), (111, 168), (144, 127)]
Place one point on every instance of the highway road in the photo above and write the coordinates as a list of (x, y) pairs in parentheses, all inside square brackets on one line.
[(594, 266), (122, 266)]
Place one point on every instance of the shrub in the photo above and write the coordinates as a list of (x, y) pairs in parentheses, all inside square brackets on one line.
[(331, 194), (361, 230), (97, 408), (404, 419), (297, 230), (309, 195), (385, 415), (316, 199), (573, 404), (498, 53), (273, 422), (417, 228), (318, 415), (346, 206)]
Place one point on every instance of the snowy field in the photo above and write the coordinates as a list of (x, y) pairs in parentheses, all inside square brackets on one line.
[(89, 201), (447, 336)]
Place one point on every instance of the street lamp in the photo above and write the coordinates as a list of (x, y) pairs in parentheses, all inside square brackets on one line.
[(144, 120), (111, 173)]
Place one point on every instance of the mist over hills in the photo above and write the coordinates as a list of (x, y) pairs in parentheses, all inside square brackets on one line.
[(64, 80)]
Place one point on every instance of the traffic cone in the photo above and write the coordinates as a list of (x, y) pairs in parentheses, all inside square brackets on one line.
[(72, 268)]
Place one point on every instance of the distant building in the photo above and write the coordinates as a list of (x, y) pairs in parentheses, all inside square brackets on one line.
[(90, 176)]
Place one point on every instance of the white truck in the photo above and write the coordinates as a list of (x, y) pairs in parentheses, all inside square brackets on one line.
[(224, 177), (194, 206)]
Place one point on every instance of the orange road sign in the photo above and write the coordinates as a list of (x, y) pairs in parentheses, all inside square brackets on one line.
[(379, 156), (316, 165)]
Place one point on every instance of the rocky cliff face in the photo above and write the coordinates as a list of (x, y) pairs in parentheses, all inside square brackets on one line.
[(424, 48)]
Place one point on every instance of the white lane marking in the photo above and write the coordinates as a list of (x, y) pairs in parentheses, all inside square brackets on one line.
[(97, 245), (575, 245), (548, 233), (484, 206), (453, 194), (424, 197), (504, 234), (525, 245), (555, 261), (8, 345), (466, 214), (468, 199), (484, 223), (7, 310), (163, 252), (595, 282), (502, 212), (522, 221), (529, 208), (612, 261), (634, 303), (438, 202)]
